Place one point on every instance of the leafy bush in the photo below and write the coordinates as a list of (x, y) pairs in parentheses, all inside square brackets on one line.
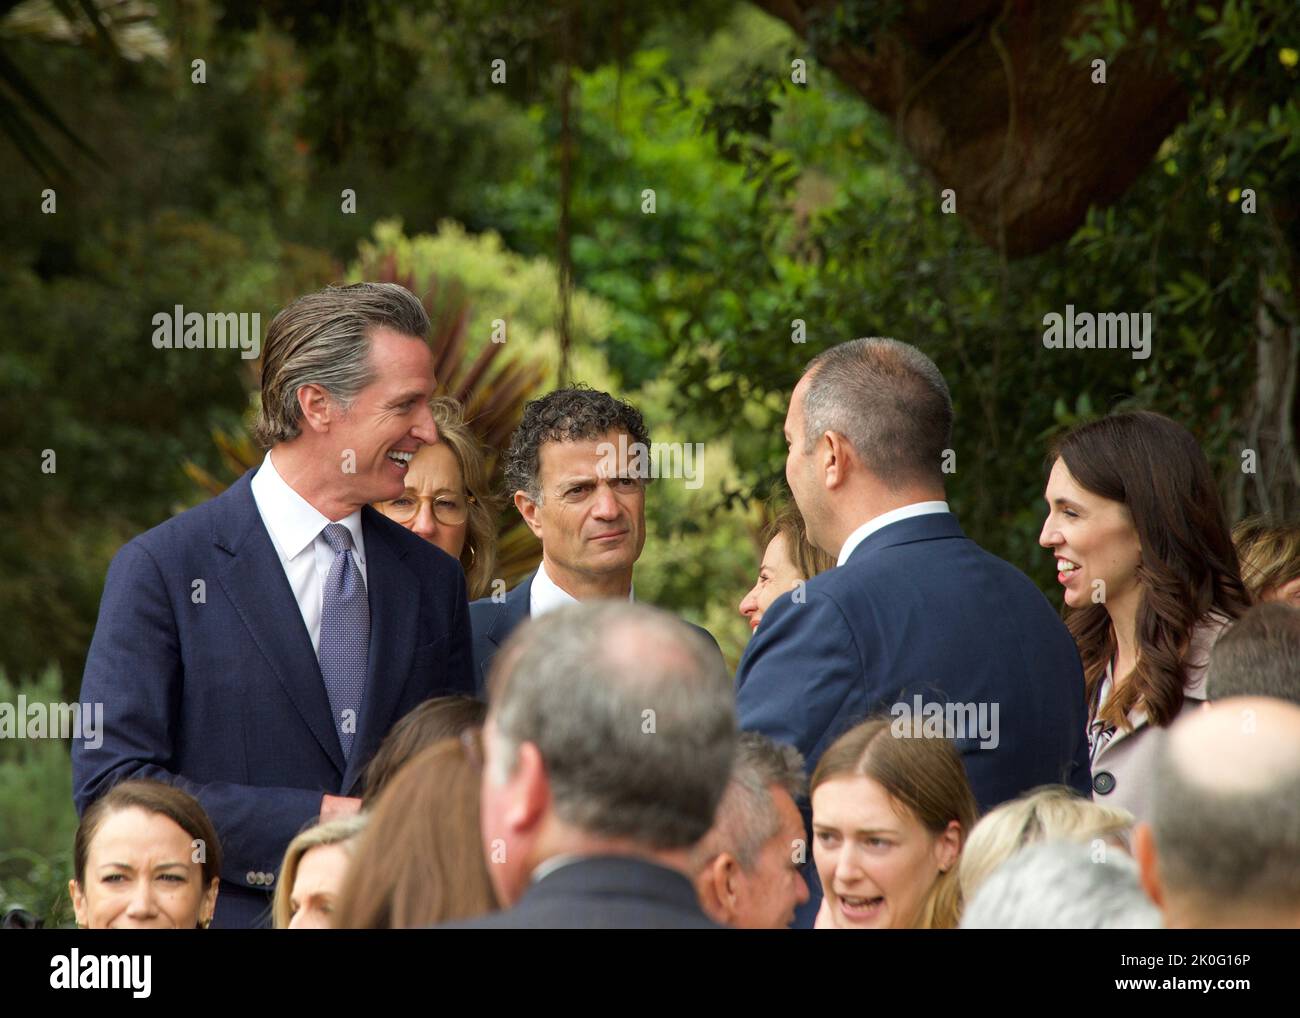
[(39, 820)]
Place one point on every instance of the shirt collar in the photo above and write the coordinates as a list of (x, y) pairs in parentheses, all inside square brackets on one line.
[(554, 863), (885, 519), (293, 522), (546, 595)]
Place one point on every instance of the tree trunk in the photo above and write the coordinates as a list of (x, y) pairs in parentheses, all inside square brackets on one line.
[(987, 100)]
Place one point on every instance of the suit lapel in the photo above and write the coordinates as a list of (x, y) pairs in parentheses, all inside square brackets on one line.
[(254, 580), (515, 610), (394, 593)]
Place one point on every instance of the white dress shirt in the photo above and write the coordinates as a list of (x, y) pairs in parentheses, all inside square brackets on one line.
[(903, 512), (545, 595), (296, 527)]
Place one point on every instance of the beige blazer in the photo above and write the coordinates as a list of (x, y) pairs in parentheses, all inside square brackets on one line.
[(1121, 765)]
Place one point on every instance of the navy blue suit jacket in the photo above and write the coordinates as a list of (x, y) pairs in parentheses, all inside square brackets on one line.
[(494, 621), (225, 699), (608, 892), (919, 608)]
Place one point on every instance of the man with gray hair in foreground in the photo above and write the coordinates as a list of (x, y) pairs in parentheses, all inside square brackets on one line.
[(608, 744), (1062, 885), (1222, 850), (747, 866)]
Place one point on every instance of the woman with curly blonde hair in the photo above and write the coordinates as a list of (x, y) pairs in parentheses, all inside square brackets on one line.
[(446, 500)]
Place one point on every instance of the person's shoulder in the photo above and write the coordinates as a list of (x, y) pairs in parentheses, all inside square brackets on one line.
[(179, 534), (485, 610), (1196, 662), (491, 604)]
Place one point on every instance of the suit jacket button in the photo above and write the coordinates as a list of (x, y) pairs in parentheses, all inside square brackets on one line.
[(1103, 783), (252, 877)]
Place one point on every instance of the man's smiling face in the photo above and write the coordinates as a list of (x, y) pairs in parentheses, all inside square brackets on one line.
[(375, 438)]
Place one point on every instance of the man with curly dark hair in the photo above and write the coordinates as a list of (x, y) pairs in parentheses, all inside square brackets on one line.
[(572, 471)]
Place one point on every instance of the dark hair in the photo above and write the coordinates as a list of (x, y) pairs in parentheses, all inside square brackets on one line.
[(439, 718), (1189, 567), (1258, 656), (154, 797), (889, 400), (565, 415), (420, 859)]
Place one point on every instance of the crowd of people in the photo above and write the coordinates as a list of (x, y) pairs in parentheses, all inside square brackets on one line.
[(356, 727)]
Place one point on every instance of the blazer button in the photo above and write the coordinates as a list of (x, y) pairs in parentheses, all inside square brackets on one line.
[(252, 877), (1103, 783)]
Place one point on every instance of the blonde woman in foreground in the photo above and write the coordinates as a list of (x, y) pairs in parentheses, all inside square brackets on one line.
[(890, 817)]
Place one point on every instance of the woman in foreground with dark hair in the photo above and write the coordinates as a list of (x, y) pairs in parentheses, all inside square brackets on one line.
[(146, 856), (1151, 579)]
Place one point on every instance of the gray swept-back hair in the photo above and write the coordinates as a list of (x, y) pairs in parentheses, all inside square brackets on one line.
[(747, 816), (889, 400), (632, 712), (323, 338)]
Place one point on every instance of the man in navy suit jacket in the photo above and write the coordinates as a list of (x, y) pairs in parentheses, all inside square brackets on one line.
[(577, 470), (217, 628), (917, 621)]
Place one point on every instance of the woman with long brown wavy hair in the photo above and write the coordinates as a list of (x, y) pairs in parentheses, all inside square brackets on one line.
[(420, 860), (1150, 576)]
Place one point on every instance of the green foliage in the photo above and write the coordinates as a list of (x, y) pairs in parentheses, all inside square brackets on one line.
[(796, 203), (39, 820), (697, 553)]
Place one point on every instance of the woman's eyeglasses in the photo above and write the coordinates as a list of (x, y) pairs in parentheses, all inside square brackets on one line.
[(449, 510)]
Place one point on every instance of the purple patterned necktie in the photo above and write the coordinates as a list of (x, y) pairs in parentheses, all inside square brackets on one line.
[(344, 634)]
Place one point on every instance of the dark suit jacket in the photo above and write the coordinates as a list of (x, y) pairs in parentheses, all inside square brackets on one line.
[(608, 892), (494, 621), (919, 608), (225, 698)]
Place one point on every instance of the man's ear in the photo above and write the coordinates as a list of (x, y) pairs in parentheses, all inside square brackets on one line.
[(832, 453), (706, 889), (716, 886), (530, 790), (528, 510), (318, 411), (1144, 853)]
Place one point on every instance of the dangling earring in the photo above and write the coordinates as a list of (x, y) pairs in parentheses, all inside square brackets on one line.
[(207, 922)]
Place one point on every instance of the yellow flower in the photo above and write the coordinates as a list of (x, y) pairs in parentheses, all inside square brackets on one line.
[(1288, 56), (1234, 194)]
